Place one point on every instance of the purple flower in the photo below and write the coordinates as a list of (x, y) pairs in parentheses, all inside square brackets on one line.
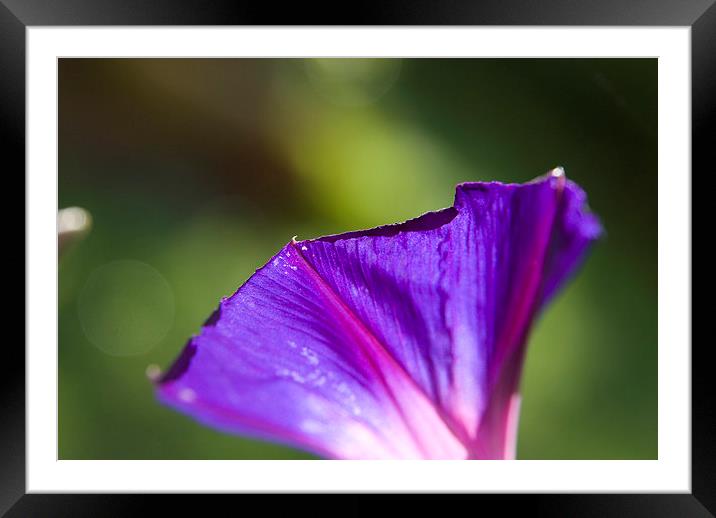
[(403, 341)]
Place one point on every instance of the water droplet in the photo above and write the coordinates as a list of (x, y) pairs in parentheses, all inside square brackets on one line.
[(187, 395), (295, 376), (310, 356)]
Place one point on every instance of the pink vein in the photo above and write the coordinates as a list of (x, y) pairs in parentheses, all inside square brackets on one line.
[(377, 347)]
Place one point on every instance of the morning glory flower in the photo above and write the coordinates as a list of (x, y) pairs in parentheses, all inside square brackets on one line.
[(402, 341)]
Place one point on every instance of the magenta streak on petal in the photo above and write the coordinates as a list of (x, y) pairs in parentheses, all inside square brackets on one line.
[(526, 298), (392, 438), (534, 206), (497, 435), (424, 224), (422, 419), (218, 412)]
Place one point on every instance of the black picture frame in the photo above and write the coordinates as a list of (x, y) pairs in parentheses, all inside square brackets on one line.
[(700, 15)]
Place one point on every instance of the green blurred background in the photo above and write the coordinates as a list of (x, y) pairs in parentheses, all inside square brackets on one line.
[(196, 171)]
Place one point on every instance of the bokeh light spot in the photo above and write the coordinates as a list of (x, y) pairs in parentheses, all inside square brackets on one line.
[(126, 308)]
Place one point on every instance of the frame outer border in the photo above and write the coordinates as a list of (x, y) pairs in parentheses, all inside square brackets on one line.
[(15, 15)]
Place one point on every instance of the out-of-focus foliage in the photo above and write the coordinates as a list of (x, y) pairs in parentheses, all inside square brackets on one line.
[(196, 171)]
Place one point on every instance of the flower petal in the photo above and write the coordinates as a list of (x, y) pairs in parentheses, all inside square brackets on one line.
[(400, 341), (284, 359)]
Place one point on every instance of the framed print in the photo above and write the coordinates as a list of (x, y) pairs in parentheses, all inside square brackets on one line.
[(220, 298)]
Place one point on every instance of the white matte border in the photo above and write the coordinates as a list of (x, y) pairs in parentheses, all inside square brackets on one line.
[(670, 473)]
